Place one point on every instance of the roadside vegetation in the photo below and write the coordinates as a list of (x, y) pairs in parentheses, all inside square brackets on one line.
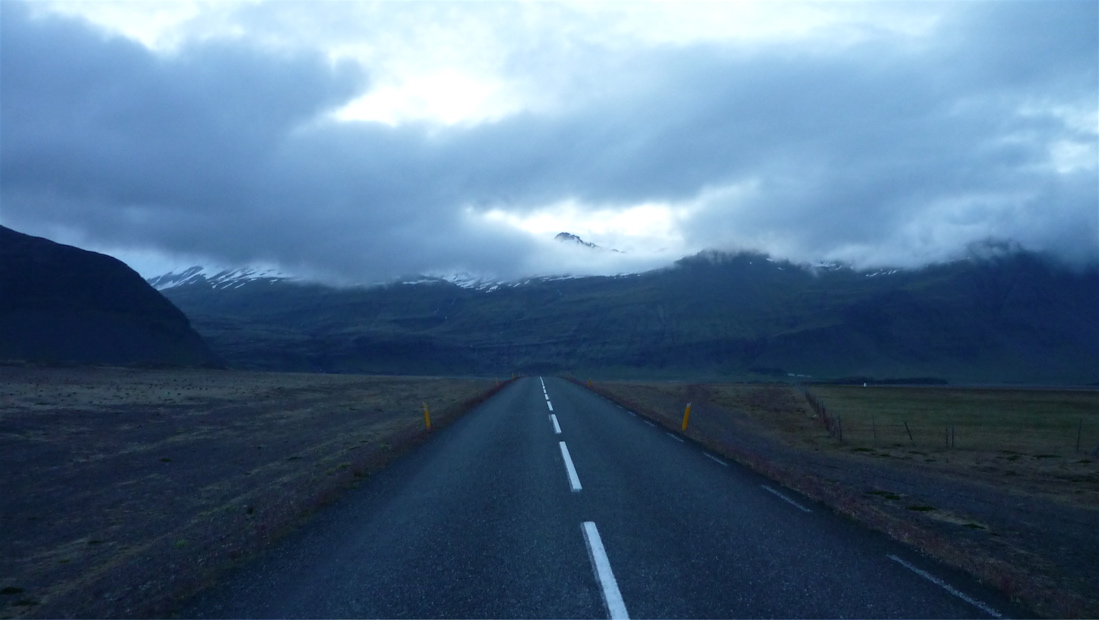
[(1034, 422), (124, 489), (1003, 483)]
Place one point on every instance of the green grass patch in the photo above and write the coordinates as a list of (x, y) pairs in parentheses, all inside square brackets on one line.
[(921, 508), (1011, 421)]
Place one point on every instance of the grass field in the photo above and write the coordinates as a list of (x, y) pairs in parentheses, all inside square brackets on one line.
[(124, 488), (1026, 435), (1041, 423), (1008, 499)]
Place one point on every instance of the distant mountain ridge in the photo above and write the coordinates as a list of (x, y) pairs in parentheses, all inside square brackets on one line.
[(569, 238), (63, 304), (225, 278), (236, 277), (1011, 318)]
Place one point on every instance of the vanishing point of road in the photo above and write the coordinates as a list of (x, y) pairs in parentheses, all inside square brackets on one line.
[(548, 501)]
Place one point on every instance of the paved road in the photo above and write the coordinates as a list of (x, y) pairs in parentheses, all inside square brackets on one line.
[(548, 501)]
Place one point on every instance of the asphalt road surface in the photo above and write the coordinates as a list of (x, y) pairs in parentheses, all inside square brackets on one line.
[(548, 501)]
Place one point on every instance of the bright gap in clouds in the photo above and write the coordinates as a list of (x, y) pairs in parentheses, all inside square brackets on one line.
[(865, 132), (460, 73), (645, 229), (448, 96)]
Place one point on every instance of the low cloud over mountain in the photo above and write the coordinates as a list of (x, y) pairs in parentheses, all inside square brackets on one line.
[(340, 142)]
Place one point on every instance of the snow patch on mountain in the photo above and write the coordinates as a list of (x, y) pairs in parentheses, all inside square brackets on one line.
[(217, 278), (463, 280), (883, 272), (488, 285)]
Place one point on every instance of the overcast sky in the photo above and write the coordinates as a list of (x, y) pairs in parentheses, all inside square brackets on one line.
[(365, 141)]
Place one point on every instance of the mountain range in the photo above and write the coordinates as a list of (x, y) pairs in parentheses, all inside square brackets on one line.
[(223, 278), (61, 304), (1007, 317)]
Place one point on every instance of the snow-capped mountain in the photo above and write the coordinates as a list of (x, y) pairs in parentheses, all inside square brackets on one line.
[(479, 283), (221, 279), (462, 280), (1018, 318), (567, 237)]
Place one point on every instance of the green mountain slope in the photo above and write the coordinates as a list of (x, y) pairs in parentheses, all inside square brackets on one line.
[(1011, 319)]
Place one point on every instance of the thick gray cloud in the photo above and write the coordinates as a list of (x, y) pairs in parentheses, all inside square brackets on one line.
[(877, 151)]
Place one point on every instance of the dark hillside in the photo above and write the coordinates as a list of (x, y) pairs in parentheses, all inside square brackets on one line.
[(63, 304), (1012, 319)]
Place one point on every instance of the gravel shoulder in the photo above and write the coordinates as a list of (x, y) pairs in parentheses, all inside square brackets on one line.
[(1031, 532)]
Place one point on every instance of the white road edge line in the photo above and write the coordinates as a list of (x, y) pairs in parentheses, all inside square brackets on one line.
[(715, 459), (550, 405), (556, 426), (942, 584), (786, 499), (649, 423), (616, 607), (679, 439), (573, 479)]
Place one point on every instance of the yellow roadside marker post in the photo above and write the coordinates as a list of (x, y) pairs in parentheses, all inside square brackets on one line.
[(427, 417), (589, 382), (686, 414)]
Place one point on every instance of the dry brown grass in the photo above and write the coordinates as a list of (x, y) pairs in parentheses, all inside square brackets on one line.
[(1014, 457), (124, 488), (1027, 437)]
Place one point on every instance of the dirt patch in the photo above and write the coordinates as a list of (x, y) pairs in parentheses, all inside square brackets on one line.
[(125, 489), (1022, 519)]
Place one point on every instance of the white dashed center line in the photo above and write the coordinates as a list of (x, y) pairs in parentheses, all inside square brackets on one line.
[(616, 607), (574, 480), (556, 426), (549, 404)]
